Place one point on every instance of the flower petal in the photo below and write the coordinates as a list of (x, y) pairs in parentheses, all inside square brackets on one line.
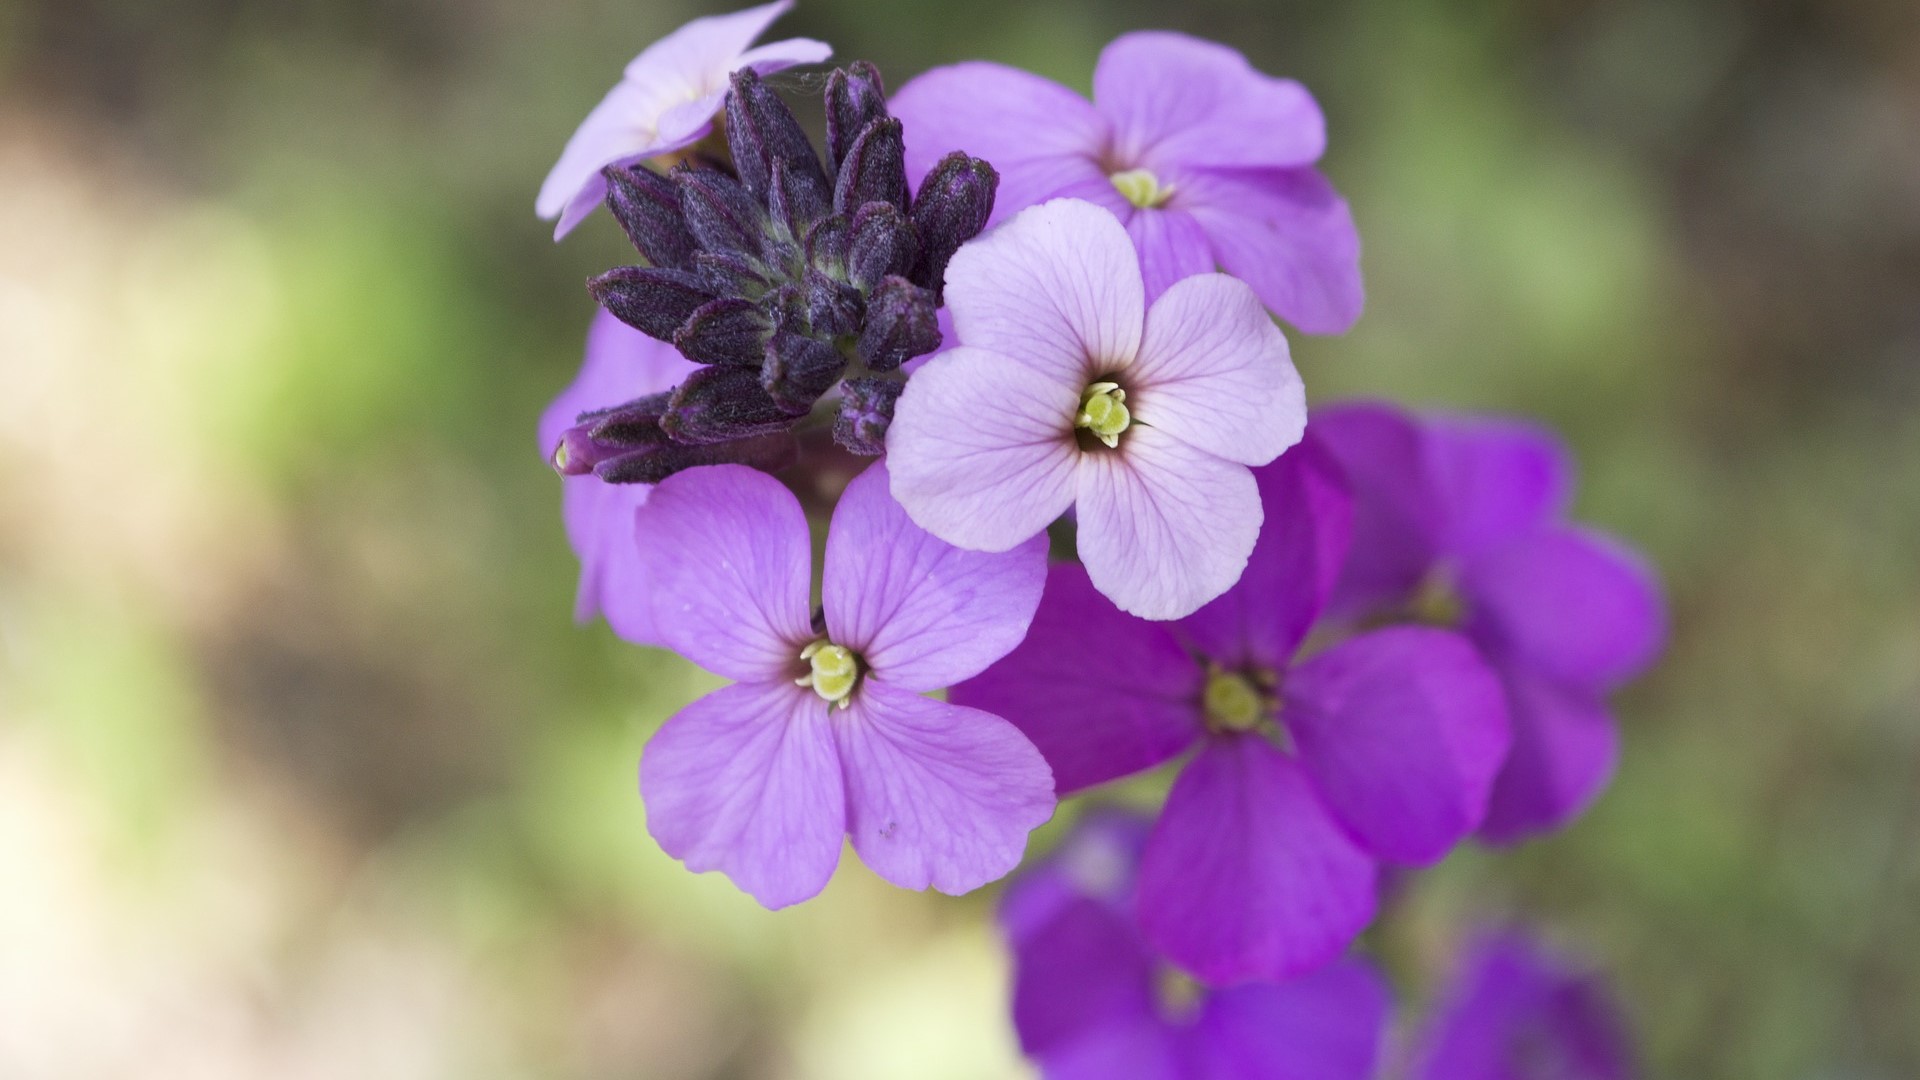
[(1164, 527), (1327, 1025), (923, 613), (1144, 1050), (705, 50), (732, 567), (1397, 515), (1101, 693), (1571, 604), (1402, 731), (1288, 234), (1565, 746), (1245, 876), (1214, 372), (1176, 99), (938, 795), (1057, 288), (1509, 1002), (622, 129), (746, 781), (1171, 243), (1499, 478), (981, 450), (1085, 969)]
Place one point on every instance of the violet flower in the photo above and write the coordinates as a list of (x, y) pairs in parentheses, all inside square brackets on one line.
[(1307, 773), (826, 734), (1460, 522), (1515, 1012), (1067, 391), (665, 101), (1208, 162), (1093, 1001)]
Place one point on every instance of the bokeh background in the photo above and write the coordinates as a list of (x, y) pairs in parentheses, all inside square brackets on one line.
[(305, 772)]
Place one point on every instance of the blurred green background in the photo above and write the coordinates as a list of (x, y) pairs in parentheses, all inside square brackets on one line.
[(304, 771)]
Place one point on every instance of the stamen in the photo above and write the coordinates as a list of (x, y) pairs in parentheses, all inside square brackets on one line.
[(835, 671), (1103, 411), (1141, 188), (1232, 702)]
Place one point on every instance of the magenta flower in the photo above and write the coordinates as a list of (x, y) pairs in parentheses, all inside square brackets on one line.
[(621, 364), (1093, 1001), (665, 101), (1514, 1012), (826, 733), (1459, 522), (1308, 772), (1066, 391), (1207, 161)]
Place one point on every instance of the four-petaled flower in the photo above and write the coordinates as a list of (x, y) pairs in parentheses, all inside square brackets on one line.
[(1513, 1011)]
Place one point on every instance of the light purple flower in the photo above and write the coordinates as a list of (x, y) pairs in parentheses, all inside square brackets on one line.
[(1067, 391), (1460, 521), (1208, 162), (664, 102), (1308, 772), (826, 733), (621, 364), (1515, 1012), (1093, 1001)]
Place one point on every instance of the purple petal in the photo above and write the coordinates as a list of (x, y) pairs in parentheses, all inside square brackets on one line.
[(1171, 243), (1565, 746), (938, 795), (1262, 620), (1057, 288), (1085, 969), (622, 129), (1572, 605), (923, 613), (1499, 478), (1246, 877), (1514, 1012), (1402, 731), (1097, 861), (1288, 234), (1214, 372), (1397, 515), (746, 781), (1164, 527), (981, 450), (1144, 1050), (1101, 693), (1328, 1025), (706, 49), (732, 566), (1175, 99)]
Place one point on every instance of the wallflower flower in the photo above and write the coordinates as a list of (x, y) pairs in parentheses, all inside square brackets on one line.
[(1093, 1001), (1207, 161), (1067, 391), (1515, 1012), (826, 734), (665, 101), (1308, 772), (1460, 522)]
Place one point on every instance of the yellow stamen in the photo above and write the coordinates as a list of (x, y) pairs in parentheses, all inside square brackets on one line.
[(834, 672), (1141, 188), (1103, 411), (1232, 703)]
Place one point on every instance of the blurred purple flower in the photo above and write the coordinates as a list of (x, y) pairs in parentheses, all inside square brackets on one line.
[(621, 364), (1308, 772), (1513, 1012), (827, 734), (1207, 161), (1459, 522), (1093, 1001), (665, 101), (1066, 391)]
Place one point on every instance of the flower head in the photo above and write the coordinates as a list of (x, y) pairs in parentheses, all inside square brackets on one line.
[(1066, 390), (1207, 161), (665, 101), (1515, 1012), (1308, 772), (1460, 522), (826, 733)]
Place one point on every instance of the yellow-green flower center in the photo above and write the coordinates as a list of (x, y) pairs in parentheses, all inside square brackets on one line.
[(1103, 411), (1437, 603), (833, 672), (1141, 188), (1178, 994), (1232, 702)]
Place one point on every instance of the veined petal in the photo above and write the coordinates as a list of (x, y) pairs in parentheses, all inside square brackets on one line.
[(1171, 243), (622, 129), (1398, 521), (1327, 1025), (1175, 99), (1164, 527), (746, 781), (1288, 234), (1571, 604), (1500, 478), (1565, 746), (732, 566)]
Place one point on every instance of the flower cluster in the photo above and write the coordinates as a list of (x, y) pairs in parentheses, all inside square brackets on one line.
[(1348, 644)]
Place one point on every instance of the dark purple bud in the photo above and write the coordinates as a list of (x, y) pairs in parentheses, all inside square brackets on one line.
[(604, 434), (855, 99), (761, 130), (826, 242), (951, 208), (902, 323), (730, 330), (654, 300), (648, 208), (768, 453), (881, 242), (833, 307), (794, 204), (798, 369), (729, 273), (875, 169), (719, 212), (866, 409), (720, 404)]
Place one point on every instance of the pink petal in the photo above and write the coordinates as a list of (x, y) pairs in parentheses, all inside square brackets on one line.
[(1565, 747), (1570, 604), (1402, 731), (1499, 478), (1246, 877), (732, 567), (1164, 527), (1171, 243), (1101, 693), (923, 613), (938, 795), (1179, 100), (746, 781), (1214, 372), (1288, 234), (981, 450), (1057, 288)]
